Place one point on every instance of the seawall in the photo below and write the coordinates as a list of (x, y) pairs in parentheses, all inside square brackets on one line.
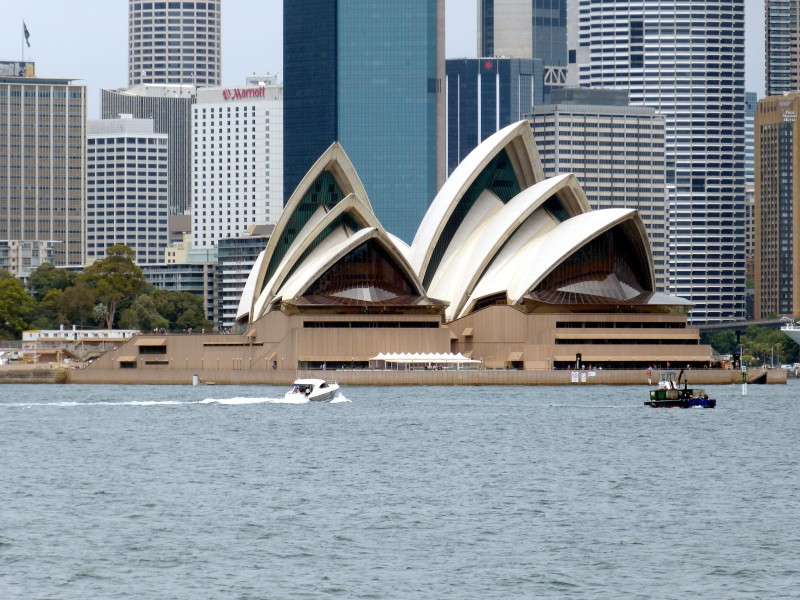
[(168, 376), (32, 375)]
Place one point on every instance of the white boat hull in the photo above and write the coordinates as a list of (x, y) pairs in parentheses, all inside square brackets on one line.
[(313, 390)]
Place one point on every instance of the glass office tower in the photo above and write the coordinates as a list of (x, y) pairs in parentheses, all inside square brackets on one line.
[(368, 74), (483, 96), (527, 29)]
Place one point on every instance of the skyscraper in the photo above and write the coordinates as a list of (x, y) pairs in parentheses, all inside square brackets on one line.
[(526, 29), (369, 74), (777, 207), (689, 65), (750, 103), (782, 51), (483, 96), (170, 108), (126, 201), (43, 162), (237, 151), (174, 42)]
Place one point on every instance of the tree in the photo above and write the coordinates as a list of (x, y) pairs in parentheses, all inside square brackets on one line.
[(16, 306), (723, 342), (116, 281), (767, 345), (142, 315), (77, 303), (48, 313), (182, 310), (47, 277)]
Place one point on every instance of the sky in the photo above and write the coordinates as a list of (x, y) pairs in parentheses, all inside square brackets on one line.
[(88, 39)]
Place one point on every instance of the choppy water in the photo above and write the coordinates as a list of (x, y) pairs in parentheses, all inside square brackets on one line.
[(427, 492)]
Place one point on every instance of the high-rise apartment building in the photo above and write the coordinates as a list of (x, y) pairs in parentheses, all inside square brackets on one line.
[(170, 108), (483, 96), (369, 75), (782, 47), (527, 29), (615, 150), (687, 62), (777, 207), (43, 162), (237, 159), (174, 42), (126, 201), (750, 104)]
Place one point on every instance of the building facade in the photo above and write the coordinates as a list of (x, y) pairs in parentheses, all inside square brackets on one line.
[(615, 150), (21, 257), (174, 42), (235, 259), (689, 66), (781, 48), (372, 78), (483, 96), (43, 163), (777, 207), (126, 201), (527, 29), (237, 160), (170, 108), (195, 278), (750, 103)]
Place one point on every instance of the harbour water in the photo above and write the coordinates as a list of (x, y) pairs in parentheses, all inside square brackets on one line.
[(123, 492)]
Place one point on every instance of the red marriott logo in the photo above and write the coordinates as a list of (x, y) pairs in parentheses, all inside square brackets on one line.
[(243, 93)]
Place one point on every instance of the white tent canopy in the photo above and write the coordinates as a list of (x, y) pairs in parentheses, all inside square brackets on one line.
[(405, 360)]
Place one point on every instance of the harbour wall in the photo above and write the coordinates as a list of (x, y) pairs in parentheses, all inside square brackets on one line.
[(169, 376)]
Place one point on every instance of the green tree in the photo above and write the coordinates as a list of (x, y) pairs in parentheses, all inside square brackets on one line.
[(142, 315), (182, 310), (723, 342), (48, 313), (77, 304), (116, 281), (47, 277), (16, 306), (767, 345)]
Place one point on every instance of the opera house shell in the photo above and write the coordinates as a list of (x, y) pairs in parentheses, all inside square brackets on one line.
[(507, 266)]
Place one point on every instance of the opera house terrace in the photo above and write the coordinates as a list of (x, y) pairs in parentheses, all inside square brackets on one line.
[(508, 268)]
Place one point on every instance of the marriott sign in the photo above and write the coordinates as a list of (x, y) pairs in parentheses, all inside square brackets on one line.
[(243, 93)]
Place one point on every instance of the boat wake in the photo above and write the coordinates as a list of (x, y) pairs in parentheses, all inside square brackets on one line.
[(240, 401), (245, 401), (103, 403)]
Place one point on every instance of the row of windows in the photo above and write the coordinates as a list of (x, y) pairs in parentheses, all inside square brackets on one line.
[(140, 6)]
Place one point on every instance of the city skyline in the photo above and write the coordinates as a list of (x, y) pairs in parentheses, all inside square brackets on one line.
[(252, 40)]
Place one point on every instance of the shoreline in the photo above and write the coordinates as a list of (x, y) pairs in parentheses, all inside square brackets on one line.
[(169, 376)]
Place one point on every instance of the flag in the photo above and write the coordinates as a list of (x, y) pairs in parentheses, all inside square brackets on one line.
[(26, 33)]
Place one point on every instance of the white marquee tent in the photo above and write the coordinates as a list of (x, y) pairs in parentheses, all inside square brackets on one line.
[(406, 360)]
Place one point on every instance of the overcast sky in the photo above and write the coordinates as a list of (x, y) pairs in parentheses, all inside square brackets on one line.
[(88, 39)]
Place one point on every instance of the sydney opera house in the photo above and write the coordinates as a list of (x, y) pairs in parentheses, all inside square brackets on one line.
[(507, 267)]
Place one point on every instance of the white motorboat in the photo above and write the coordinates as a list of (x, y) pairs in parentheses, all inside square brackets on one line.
[(315, 390)]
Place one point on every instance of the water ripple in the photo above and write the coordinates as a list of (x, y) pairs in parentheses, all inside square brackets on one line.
[(126, 492)]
